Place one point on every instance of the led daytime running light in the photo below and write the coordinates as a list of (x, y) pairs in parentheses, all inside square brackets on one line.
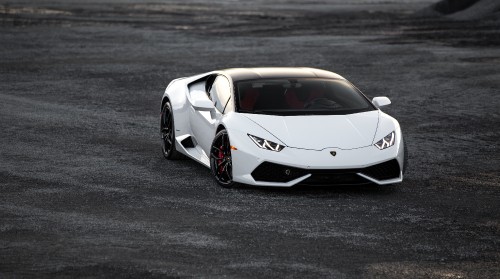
[(266, 144), (386, 141)]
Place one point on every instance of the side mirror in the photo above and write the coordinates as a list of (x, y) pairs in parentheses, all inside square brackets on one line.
[(203, 105), (381, 101)]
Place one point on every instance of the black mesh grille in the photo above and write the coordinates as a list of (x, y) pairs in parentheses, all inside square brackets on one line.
[(276, 173), (383, 171), (270, 172)]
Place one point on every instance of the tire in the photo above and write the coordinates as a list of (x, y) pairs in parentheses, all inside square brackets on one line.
[(167, 132), (221, 162)]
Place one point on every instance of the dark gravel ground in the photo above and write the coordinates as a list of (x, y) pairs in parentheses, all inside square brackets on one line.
[(85, 191)]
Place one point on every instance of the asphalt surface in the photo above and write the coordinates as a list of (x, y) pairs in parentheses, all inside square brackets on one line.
[(85, 191)]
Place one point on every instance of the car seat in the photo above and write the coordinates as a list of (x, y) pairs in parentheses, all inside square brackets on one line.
[(248, 98)]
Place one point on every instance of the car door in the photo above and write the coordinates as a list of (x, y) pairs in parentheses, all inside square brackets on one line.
[(220, 94)]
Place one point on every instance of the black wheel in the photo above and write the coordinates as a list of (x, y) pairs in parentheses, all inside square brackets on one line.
[(168, 133), (220, 160)]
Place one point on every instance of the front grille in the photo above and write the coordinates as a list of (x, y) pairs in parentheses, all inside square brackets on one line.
[(383, 171), (276, 173), (270, 172)]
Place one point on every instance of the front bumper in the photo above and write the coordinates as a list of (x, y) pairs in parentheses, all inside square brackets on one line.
[(294, 166), (276, 173)]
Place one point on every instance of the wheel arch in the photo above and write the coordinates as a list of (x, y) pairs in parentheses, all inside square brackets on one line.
[(220, 128), (163, 101)]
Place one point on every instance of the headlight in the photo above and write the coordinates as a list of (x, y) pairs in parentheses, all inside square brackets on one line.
[(266, 144), (387, 141)]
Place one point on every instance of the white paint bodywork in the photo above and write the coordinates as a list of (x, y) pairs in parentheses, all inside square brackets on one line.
[(308, 139), (317, 132)]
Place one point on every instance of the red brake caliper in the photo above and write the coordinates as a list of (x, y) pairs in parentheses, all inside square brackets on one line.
[(221, 157)]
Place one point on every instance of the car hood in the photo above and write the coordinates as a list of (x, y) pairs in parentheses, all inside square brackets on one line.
[(318, 132)]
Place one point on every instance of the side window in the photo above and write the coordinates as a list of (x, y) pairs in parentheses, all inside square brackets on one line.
[(209, 84), (220, 92)]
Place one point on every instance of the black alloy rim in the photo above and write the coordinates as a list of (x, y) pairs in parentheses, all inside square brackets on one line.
[(166, 129), (220, 159)]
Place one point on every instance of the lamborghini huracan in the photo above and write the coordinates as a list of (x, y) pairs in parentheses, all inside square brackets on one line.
[(281, 127)]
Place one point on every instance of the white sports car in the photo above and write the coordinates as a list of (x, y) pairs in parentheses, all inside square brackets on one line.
[(281, 127)]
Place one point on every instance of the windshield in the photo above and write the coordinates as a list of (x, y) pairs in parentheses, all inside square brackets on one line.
[(300, 97)]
